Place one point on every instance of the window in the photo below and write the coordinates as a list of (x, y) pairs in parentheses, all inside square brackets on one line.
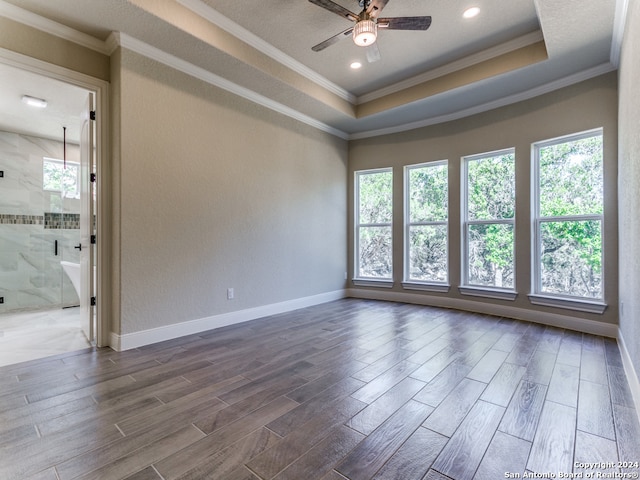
[(488, 224), (374, 215), (568, 216), (426, 231), (57, 178)]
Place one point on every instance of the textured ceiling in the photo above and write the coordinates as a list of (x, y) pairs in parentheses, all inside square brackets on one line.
[(64, 109), (512, 50), (294, 27)]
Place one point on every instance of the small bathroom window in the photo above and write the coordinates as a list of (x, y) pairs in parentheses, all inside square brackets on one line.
[(56, 177)]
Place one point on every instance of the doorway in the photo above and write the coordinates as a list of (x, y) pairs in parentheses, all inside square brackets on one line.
[(47, 214)]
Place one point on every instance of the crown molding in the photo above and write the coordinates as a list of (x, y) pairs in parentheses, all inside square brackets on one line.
[(619, 23), (49, 26), (483, 56), (137, 46), (518, 97), (213, 16)]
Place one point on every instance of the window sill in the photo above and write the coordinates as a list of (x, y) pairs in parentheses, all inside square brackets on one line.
[(589, 306), (372, 282), (485, 292), (426, 287)]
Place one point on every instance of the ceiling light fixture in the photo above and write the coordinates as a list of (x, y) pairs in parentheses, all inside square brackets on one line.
[(356, 65), (471, 12), (365, 33), (34, 102)]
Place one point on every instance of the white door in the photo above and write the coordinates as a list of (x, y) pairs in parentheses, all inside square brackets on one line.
[(87, 222)]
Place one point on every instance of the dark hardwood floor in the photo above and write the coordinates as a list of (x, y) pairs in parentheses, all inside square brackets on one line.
[(350, 389)]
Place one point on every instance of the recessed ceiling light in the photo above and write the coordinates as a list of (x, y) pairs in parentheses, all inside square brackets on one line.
[(471, 12), (34, 102), (356, 65)]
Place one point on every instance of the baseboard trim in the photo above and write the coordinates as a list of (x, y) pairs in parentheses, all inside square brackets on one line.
[(630, 372), (553, 319), (169, 332)]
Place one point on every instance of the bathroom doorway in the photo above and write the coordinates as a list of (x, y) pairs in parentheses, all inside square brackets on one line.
[(47, 222)]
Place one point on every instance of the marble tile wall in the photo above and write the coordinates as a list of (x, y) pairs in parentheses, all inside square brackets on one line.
[(31, 220)]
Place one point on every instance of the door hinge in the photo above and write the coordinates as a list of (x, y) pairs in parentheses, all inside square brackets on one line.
[(93, 301), (92, 177), (93, 239), (92, 114)]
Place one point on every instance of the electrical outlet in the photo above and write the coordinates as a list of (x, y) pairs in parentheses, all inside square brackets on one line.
[(230, 293)]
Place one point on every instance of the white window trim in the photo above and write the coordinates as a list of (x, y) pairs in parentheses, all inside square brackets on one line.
[(488, 292), (410, 283), (385, 282), (372, 282), (570, 303), (538, 297), (426, 286), (468, 288)]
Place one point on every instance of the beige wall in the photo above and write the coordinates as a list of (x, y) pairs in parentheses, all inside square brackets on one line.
[(581, 107), (629, 185), (212, 191), (49, 48)]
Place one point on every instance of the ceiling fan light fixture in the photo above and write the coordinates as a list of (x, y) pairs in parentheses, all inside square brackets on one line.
[(365, 33)]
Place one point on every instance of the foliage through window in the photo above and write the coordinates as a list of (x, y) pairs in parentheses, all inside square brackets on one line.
[(489, 219), (57, 178), (569, 216), (427, 214), (374, 215)]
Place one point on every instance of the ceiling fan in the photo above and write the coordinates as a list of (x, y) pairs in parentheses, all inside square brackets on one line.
[(367, 23)]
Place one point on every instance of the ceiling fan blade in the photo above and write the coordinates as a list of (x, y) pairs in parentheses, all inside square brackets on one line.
[(330, 41), (373, 52), (405, 23), (375, 7), (337, 9)]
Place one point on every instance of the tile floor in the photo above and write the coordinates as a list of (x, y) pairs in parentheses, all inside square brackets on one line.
[(38, 334), (352, 389)]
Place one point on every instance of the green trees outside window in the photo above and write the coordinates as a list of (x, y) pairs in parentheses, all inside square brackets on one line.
[(569, 215), (427, 213), (57, 177), (489, 217), (374, 216), (567, 221)]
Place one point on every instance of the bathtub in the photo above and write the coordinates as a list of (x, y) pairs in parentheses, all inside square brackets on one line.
[(73, 272)]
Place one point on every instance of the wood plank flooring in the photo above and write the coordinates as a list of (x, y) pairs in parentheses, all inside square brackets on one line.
[(352, 389)]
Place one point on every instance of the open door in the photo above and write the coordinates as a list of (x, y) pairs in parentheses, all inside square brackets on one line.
[(87, 221)]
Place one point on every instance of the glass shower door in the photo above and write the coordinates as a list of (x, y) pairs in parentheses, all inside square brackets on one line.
[(62, 219)]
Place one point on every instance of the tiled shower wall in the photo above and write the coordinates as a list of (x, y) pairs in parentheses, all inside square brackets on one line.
[(31, 220)]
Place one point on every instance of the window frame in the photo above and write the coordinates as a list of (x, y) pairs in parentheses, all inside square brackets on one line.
[(467, 288), (357, 279), (549, 299), (408, 282)]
